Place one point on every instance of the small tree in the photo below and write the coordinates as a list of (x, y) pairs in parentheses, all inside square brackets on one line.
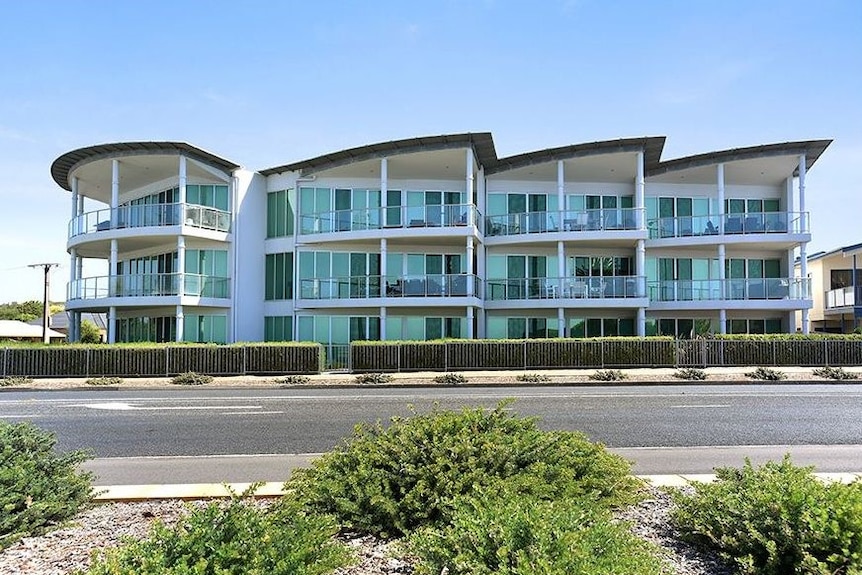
[(90, 332)]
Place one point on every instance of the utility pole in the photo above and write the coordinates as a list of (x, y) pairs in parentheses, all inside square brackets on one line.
[(45, 310)]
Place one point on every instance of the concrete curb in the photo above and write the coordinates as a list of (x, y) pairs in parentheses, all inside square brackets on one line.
[(127, 493)]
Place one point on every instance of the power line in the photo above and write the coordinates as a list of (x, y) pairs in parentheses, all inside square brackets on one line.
[(45, 315)]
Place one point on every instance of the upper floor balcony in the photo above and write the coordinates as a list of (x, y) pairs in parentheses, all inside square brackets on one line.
[(148, 285), (594, 220), (150, 215), (842, 298), (749, 289), (731, 227), (391, 217)]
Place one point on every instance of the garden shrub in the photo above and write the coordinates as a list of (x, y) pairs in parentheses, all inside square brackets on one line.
[(498, 532), (191, 378), (104, 380), (232, 539), (834, 373), (389, 480), (776, 519), (607, 375), (39, 489), (690, 373), (372, 378), (15, 380), (293, 380), (533, 377), (450, 378), (766, 374)]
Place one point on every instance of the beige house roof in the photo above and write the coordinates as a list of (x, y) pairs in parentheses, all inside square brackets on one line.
[(12, 329)]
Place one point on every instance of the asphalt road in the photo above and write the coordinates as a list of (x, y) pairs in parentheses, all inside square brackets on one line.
[(207, 421)]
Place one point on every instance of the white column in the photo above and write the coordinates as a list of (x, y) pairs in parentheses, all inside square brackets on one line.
[(722, 287), (470, 315), (180, 324), (112, 324), (640, 272), (641, 322), (788, 195), (74, 289), (384, 251), (383, 323), (181, 260), (112, 268), (803, 247), (115, 191), (640, 186), (480, 323), (470, 181), (561, 188), (471, 268), (722, 321), (480, 270), (75, 212), (480, 198), (181, 200), (561, 322), (720, 181)]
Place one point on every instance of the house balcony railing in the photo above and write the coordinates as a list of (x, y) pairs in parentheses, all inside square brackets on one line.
[(844, 297), (150, 215), (563, 221), (434, 216), (730, 289), (149, 285), (609, 287), (715, 224), (359, 287)]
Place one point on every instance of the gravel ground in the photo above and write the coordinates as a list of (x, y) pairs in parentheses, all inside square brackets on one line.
[(63, 551)]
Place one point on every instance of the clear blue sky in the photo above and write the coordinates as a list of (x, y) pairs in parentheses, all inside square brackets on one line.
[(264, 83)]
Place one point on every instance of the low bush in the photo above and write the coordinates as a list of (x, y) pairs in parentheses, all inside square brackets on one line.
[(39, 489), (607, 375), (293, 380), (834, 373), (389, 480), (231, 539), (191, 378), (497, 532), (104, 380), (15, 380), (372, 378), (690, 373), (776, 519), (450, 378), (533, 377), (766, 374)]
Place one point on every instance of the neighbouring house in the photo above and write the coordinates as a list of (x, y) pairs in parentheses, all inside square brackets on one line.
[(836, 289), (438, 237), (21, 331), (61, 320)]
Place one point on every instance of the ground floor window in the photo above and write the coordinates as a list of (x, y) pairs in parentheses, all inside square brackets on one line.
[(338, 329), (205, 328), (600, 327), (278, 328), (420, 328), (154, 329)]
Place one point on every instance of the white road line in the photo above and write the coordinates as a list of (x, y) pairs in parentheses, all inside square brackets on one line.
[(704, 406), (117, 406), (253, 413), (18, 416)]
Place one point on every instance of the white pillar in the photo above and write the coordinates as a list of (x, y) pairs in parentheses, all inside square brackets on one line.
[(480, 323), (471, 269), (722, 287), (640, 186), (180, 324), (384, 189), (112, 268), (480, 199), (560, 284), (561, 322), (470, 315), (75, 228), (720, 181), (383, 323), (788, 195), (115, 192), (181, 264), (640, 261), (641, 322), (384, 251), (112, 324), (73, 275), (470, 181), (561, 190), (803, 247), (480, 270), (722, 321), (181, 199)]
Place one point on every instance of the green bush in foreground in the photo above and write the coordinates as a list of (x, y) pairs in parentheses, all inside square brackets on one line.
[(766, 374), (372, 378), (39, 489), (450, 378), (191, 378), (690, 373), (15, 380), (233, 539), (104, 380), (494, 533), (391, 480), (834, 373), (533, 377), (607, 375), (776, 519), (293, 380)]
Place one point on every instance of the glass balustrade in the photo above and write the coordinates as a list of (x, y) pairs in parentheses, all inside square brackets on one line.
[(563, 221), (436, 216), (749, 223), (843, 297), (150, 215), (565, 288), (149, 285), (730, 289), (432, 285)]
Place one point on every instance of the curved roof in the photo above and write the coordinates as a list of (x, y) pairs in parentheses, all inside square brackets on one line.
[(65, 164), (811, 148), (481, 142), (651, 146)]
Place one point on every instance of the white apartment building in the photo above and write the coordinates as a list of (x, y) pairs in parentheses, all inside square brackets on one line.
[(437, 237)]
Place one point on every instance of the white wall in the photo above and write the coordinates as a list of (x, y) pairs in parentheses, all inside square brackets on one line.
[(249, 232)]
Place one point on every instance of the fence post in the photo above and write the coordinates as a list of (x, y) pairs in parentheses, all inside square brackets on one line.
[(167, 360), (825, 352), (774, 352), (602, 355), (5, 359), (524, 356), (87, 362)]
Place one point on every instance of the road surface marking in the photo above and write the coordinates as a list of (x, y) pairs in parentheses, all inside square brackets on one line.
[(117, 406), (702, 406)]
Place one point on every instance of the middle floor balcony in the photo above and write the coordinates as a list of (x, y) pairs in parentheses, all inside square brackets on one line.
[(782, 230), (741, 293), (147, 289), (568, 292), (398, 291), (595, 224)]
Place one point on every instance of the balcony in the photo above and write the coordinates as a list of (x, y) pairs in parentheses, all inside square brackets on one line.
[(149, 285), (843, 297), (435, 216), (150, 215), (730, 289), (363, 287), (729, 224), (606, 219), (612, 287)]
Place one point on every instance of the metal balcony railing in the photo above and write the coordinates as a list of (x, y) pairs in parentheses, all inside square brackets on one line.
[(609, 287), (358, 287), (729, 224), (149, 285), (150, 215), (843, 297), (605, 219), (435, 216), (730, 289)]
